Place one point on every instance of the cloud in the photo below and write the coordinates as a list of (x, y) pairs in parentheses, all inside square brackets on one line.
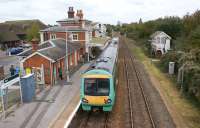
[(106, 11)]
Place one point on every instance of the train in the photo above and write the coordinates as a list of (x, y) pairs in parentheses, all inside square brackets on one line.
[(98, 81)]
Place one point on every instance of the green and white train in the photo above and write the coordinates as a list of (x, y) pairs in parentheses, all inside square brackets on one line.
[(98, 81)]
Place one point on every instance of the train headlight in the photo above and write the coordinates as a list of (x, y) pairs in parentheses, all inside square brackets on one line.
[(108, 101), (84, 100)]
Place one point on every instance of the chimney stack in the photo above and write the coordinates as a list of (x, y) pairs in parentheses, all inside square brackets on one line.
[(71, 12), (79, 14), (35, 43)]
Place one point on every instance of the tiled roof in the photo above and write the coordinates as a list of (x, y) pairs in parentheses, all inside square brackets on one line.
[(63, 29), (59, 50), (157, 33), (28, 52), (55, 49), (7, 36), (20, 26), (75, 19)]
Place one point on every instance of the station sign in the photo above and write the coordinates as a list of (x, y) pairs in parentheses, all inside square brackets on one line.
[(10, 78)]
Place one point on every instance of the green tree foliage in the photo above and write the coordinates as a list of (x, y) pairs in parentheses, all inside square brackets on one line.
[(191, 22), (172, 56), (185, 33), (171, 25), (33, 32), (109, 29), (191, 63), (194, 37), (191, 83)]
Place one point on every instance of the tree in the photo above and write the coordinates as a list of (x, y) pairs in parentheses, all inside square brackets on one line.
[(33, 32), (195, 38), (171, 25), (140, 21)]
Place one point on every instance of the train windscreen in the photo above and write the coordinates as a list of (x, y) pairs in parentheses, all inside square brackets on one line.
[(97, 86)]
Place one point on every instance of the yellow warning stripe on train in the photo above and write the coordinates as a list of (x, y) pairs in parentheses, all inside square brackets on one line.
[(96, 76), (96, 100)]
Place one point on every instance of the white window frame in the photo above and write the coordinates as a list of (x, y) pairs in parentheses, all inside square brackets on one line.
[(53, 36), (73, 37)]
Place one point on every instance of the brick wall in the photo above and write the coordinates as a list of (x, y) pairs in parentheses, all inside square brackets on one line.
[(81, 35), (61, 35), (37, 61)]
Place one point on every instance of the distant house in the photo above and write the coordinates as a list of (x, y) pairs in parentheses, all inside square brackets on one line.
[(13, 32), (160, 42), (99, 30), (20, 27), (8, 40)]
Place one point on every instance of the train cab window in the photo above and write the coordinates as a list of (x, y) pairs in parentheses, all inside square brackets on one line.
[(96, 87)]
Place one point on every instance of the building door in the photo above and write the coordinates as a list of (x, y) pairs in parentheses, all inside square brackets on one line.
[(39, 74)]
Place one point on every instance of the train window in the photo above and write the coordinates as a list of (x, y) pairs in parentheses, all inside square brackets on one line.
[(103, 87), (96, 87)]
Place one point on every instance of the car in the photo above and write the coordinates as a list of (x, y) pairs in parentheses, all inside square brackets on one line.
[(17, 50), (25, 45)]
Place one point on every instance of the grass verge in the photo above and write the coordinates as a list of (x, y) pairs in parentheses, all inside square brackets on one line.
[(184, 111)]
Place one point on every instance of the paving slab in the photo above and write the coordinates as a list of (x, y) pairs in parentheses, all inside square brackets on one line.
[(48, 106)]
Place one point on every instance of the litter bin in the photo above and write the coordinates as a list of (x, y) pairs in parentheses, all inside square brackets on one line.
[(28, 87)]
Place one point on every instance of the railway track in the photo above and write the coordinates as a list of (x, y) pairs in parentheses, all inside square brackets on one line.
[(137, 113), (132, 80), (129, 95), (90, 120)]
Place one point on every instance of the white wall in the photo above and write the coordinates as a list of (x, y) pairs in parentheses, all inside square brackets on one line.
[(41, 37), (102, 30), (167, 45), (161, 42)]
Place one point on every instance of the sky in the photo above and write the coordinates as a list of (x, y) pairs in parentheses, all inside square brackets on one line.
[(105, 11)]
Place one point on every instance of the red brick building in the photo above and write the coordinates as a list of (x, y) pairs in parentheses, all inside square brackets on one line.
[(74, 27), (50, 54)]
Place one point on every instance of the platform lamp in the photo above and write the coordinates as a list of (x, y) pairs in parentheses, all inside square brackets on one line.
[(68, 39)]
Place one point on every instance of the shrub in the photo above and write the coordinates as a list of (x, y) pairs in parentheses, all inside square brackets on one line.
[(171, 56), (191, 81)]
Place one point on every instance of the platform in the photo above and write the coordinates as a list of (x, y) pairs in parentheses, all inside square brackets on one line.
[(50, 109)]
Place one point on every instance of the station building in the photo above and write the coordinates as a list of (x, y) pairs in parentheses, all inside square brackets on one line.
[(49, 54)]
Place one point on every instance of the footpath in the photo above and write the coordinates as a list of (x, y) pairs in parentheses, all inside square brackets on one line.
[(48, 107)]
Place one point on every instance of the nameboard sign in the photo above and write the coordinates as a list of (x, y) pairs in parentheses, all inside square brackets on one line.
[(11, 78), (9, 81)]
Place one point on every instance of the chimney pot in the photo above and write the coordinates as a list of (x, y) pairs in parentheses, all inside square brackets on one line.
[(35, 43), (71, 12), (79, 14)]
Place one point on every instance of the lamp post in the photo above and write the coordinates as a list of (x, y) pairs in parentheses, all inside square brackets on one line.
[(68, 38)]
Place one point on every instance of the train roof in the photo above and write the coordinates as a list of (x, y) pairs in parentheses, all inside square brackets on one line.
[(106, 60)]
